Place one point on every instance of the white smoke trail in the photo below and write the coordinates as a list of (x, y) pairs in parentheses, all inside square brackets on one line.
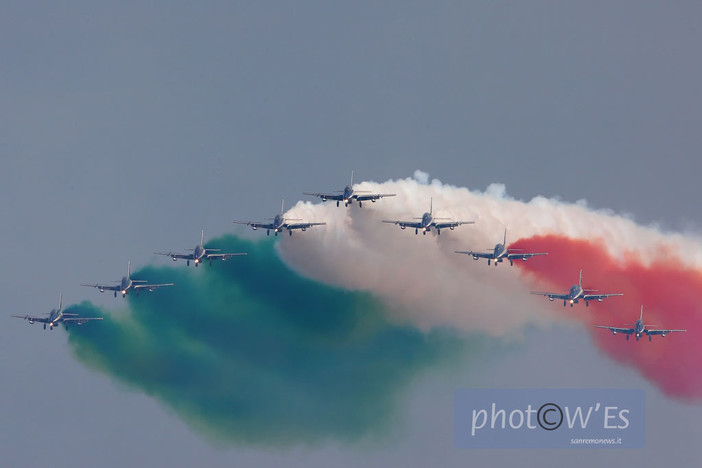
[(424, 282)]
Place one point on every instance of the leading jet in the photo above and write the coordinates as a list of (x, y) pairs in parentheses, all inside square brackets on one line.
[(638, 330), (349, 195), (427, 222), (126, 284), (200, 253), (279, 223), (57, 316), (577, 293), (500, 252)]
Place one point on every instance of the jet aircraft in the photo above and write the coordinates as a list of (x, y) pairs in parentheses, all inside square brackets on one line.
[(279, 223), (638, 330), (200, 253), (126, 284), (427, 222), (349, 195), (57, 316), (577, 293), (500, 252)]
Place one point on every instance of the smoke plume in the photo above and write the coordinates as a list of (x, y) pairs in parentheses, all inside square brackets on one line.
[(666, 288), (321, 344), (424, 283), (247, 351)]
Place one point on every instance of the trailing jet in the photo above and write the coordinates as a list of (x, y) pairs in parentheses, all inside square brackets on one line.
[(57, 316), (200, 253), (576, 293), (427, 222), (279, 223), (500, 252), (638, 330), (348, 195), (126, 284)]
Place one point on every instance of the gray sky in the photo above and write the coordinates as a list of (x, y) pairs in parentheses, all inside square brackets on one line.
[(126, 129)]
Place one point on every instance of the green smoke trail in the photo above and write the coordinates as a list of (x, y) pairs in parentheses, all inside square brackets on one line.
[(247, 351)]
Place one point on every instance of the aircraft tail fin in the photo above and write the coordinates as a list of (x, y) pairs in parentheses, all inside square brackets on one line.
[(580, 281), (641, 316), (282, 207), (129, 268), (504, 241), (431, 205), (60, 301), (202, 238), (351, 184)]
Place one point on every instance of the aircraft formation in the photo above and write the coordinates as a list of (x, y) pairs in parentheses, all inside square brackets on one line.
[(638, 329), (56, 316), (199, 254), (501, 252), (426, 223), (126, 284), (576, 293)]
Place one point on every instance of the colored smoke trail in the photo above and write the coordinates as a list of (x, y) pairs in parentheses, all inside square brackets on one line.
[(247, 351), (424, 283), (668, 291)]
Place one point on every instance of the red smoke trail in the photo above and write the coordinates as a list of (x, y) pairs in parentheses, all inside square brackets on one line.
[(669, 292)]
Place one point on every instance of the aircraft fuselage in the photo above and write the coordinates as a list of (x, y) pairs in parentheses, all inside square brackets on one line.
[(576, 292), (427, 219), (639, 328), (198, 254), (348, 194), (125, 284), (55, 317)]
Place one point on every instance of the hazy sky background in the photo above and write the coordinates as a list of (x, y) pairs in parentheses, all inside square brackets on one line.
[(126, 129)]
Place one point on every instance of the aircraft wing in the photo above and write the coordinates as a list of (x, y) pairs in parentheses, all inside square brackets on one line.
[(33, 319), (103, 287), (175, 255), (626, 331), (661, 332), (373, 196), (222, 256), (325, 196), (79, 320), (476, 254), (599, 297), (451, 224), (150, 287), (303, 226), (551, 296), (256, 225), (524, 256), (404, 224)]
